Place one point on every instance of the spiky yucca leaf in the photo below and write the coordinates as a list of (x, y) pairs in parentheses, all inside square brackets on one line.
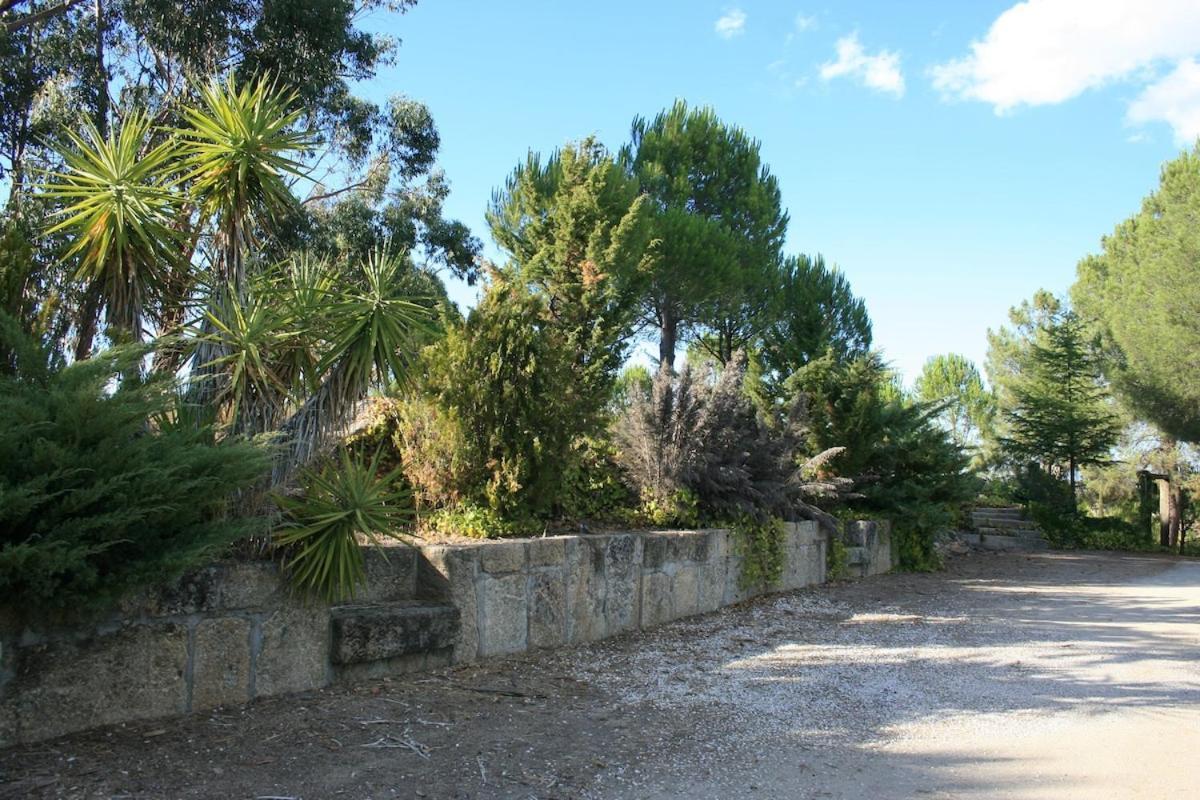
[(239, 144), (375, 322), (344, 499), (121, 202), (250, 341)]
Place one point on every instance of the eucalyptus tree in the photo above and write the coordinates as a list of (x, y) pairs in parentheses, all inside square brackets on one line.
[(717, 214)]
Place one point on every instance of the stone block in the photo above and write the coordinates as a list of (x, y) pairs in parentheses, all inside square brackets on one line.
[(859, 533), (249, 586), (585, 589), (800, 553), (547, 608), (664, 548), (691, 546), (622, 579), (192, 593), (734, 593), (292, 652), (391, 574), (220, 663), (57, 687), (718, 545), (448, 573), (503, 615), (366, 633), (711, 592), (550, 551), (501, 557), (657, 606), (685, 590), (654, 551)]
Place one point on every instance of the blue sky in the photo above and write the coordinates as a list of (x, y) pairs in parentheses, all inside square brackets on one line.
[(950, 157)]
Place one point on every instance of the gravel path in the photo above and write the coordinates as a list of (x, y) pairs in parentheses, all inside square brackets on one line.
[(1005, 676)]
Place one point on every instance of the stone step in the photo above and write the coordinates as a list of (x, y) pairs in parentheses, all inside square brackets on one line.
[(987, 530), (1002, 522), (376, 632), (1006, 543), (998, 515)]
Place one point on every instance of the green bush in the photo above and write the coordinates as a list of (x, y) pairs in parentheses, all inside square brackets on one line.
[(593, 485), (471, 521), (101, 491), (501, 421), (905, 467)]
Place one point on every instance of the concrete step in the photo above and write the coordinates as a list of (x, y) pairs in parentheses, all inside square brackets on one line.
[(385, 632)]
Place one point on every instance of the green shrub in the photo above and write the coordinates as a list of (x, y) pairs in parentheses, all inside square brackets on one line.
[(593, 485), (502, 423), (836, 559), (100, 491), (679, 509), (473, 522), (905, 467), (342, 500), (1072, 530)]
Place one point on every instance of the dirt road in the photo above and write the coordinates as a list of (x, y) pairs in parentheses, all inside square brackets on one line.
[(1006, 676)]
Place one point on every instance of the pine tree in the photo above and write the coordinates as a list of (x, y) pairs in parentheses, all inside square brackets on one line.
[(1060, 413)]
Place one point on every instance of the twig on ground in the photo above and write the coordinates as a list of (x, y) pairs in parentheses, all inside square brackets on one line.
[(396, 742)]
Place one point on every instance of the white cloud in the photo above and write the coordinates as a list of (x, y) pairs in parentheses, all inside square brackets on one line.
[(1042, 52), (732, 23), (880, 71), (1174, 99), (805, 23)]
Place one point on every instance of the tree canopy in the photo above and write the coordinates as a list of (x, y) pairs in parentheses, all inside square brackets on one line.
[(952, 383), (720, 222), (1060, 415), (1143, 291)]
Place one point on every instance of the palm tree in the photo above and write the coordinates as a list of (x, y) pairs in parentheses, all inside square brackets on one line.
[(121, 202)]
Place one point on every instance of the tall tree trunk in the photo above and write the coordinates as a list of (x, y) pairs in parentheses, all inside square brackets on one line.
[(1175, 515), (668, 339), (101, 72), (89, 320), (1164, 510), (1074, 496)]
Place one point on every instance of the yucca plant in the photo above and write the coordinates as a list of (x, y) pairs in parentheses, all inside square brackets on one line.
[(320, 534), (240, 145), (250, 341), (372, 325), (121, 203)]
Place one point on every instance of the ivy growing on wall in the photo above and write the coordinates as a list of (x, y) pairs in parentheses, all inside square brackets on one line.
[(760, 545)]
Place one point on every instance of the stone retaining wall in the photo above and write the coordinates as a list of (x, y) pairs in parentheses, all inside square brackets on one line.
[(229, 633), (519, 595)]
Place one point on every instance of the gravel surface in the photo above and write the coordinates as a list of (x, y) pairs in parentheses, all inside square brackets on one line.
[(1022, 676)]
